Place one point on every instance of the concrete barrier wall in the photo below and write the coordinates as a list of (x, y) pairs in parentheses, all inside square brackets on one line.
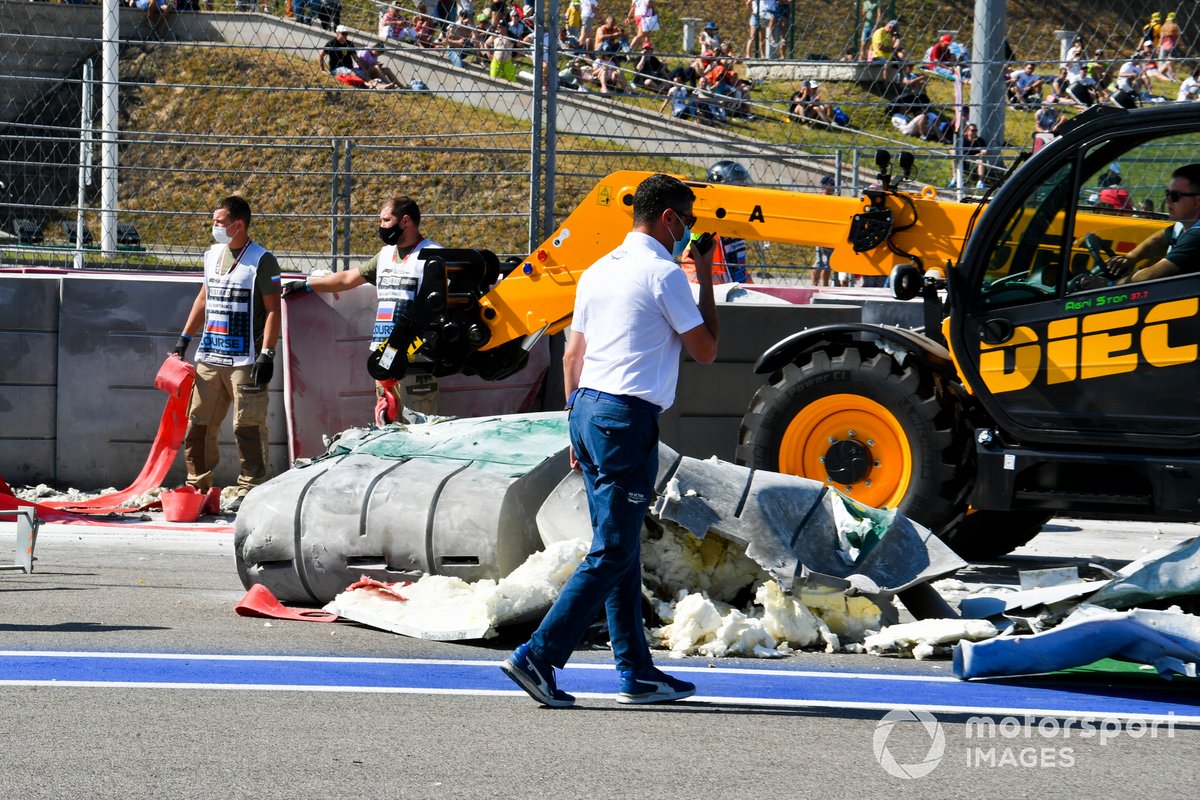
[(79, 351), (28, 377)]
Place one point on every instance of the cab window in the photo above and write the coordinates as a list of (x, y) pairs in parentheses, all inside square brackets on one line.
[(1026, 261)]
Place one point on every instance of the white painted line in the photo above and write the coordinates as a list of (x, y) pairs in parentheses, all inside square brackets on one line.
[(698, 700)]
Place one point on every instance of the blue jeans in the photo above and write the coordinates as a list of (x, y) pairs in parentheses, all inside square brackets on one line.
[(616, 444), (302, 10)]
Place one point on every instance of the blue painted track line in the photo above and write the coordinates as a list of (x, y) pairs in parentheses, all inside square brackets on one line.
[(767, 686)]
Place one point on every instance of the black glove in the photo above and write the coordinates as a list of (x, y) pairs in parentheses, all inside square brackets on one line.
[(263, 369), (181, 345), (295, 287)]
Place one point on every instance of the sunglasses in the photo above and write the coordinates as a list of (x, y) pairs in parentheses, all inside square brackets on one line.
[(1173, 196), (687, 219)]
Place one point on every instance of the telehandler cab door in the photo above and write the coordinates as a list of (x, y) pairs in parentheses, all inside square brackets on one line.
[(1053, 361)]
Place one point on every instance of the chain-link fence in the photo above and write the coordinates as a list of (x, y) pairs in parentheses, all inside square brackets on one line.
[(496, 138)]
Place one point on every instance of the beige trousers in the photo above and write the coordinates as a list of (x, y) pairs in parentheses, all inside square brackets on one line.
[(215, 389)]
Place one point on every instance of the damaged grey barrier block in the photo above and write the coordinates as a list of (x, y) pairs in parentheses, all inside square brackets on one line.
[(454, 498), (1173, 572), (1168, 640), (788, 526)]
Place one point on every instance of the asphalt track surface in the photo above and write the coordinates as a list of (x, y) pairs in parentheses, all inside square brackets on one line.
[(125, 673)]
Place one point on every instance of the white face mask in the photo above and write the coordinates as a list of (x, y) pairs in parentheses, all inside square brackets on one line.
[(221, 235)]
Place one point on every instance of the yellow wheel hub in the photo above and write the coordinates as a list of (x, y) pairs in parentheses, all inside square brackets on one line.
[(853, 443)]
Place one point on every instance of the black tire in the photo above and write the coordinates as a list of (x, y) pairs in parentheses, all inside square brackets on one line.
[(988, 535), (919, 402)]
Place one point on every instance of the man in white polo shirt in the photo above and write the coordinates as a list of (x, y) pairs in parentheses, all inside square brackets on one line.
[(633, 313)]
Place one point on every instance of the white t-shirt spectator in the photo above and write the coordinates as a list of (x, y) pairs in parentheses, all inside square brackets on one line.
[(1131, 71), (1189, 89), (679, 99)]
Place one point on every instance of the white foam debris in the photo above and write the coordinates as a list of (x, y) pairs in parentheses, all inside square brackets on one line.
[(679, 561), (696, 582), (786, 617), (441, 607), (775, 626), (927, 637), (850, 617), (535, 584), (950, 585)]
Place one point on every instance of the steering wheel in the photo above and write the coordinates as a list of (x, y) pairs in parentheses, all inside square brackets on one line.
[(1100, 266)]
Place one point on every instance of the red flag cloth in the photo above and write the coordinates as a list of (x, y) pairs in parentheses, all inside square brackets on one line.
[(174, 378), (259, 602)]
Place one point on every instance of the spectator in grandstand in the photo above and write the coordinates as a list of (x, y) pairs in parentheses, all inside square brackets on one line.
[(609, 36), (1026, 88), (644, 18), (975, 151), (807, 105), (376, 74), (155, 9), (756, 44), (918, 125), (1189, 90), (910, 88), (1152, 71), (329, 13), (574, 20), (340, 53), (821, 270), (501, 47), (680, 98), (479, 50), (392, 24), (1111, 194), (872, 18), (1130, 83), (608, 72), (1152, 31), (1168, 39), (457, 40), (1080, 85), (940, 57), (567, 44), (782, 28), (1048, 118), (710, 37), (519, 26), (1101, 72), (884, 43), (650, 69), (424, 31), (689, 74), (589, 10)]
